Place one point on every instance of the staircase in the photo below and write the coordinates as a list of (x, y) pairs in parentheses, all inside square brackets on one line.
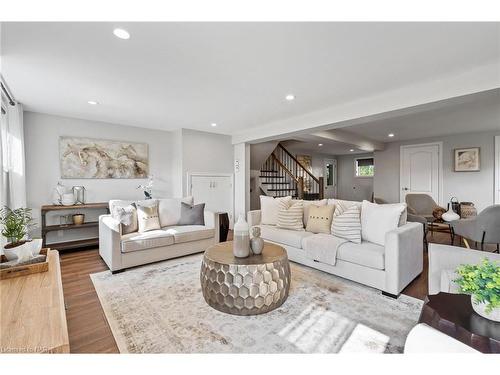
[(282, 175)]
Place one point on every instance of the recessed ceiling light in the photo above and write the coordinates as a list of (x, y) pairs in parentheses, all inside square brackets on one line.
[(390, 135), (213, 124), (121, 33), (290, 97), (92, 102), (320, 144), (352, 150)]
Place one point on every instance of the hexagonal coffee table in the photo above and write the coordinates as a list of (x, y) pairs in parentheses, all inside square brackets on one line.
[(245, 286)]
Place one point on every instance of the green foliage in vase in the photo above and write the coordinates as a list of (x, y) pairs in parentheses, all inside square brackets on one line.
[(482, 281), (16, 223)]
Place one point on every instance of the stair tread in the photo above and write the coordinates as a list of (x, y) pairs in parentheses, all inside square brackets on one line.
[(268, 171), (275, 183), (281, 189), (272, 176)]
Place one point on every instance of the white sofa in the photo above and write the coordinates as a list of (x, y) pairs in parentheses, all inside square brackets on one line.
[(443, 261), (120, 251), (389, 268)]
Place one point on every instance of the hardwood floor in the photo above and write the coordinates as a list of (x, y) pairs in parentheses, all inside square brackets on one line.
[(88, 328)]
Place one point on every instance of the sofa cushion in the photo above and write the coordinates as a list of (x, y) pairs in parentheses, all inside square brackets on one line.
[(366, 254), (170, 210), (343, 205), (283, 236), (188, 233), (147, 216), (320, 219), (308, 204), (378, 219), (192, 215), (290, 215), (269, 208), (147, 240), (347, 224)]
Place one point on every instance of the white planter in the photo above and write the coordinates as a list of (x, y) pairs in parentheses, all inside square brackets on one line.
[(25, 251), (480, 308)]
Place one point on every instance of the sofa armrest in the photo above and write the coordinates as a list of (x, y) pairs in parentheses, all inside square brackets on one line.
[(404, 259), (446, 257), (253, 218), (212, 220), (109, 242)]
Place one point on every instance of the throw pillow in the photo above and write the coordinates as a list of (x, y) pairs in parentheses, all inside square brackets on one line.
[(290, 217), (147, 216), (170, 210), (269, 208), (308, 204), (192, 215), (342, 205), (127, 216), (347, 224), (320, 219), (378, 219)]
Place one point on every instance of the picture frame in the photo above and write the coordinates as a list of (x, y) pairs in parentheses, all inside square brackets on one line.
[(467, 159)]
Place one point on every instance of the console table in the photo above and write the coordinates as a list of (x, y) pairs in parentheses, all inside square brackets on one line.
[(33, 316), (56, 227)]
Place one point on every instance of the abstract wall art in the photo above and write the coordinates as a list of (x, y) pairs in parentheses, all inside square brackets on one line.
[(96, 158)]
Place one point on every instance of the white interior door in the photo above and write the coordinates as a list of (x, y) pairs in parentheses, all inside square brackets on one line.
[(216, 191), (421, 170), (497, 169), (330, 178)]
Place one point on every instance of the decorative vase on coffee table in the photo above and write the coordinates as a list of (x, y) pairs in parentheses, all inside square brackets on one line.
[(241, 243), (256, 243)]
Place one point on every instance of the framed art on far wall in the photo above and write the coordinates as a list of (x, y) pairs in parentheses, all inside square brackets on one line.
[(467, 159)]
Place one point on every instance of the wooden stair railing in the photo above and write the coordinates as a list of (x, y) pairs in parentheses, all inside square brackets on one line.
[(283, 175)]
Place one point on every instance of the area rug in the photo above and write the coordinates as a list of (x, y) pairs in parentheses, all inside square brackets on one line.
[(159, 308)]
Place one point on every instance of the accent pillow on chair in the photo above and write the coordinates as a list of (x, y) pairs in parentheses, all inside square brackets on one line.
[(147, 216), (269, 208), (192, 215), (347, 223), (378, 219), (290, 217), (320, 219)]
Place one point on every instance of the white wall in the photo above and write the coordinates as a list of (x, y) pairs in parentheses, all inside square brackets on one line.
[(349, 186), (477, 187), (171, 156), (205, 152)]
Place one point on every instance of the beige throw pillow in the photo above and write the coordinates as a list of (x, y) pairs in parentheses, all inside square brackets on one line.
[(320, 219), (148, 217), (290, 217), (269, 208), (307, 204)]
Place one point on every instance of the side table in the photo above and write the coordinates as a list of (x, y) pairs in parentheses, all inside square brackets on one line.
[(453, 315)]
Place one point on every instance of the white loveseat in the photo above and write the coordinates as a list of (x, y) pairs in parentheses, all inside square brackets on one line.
[(120, 251), (389, 268)]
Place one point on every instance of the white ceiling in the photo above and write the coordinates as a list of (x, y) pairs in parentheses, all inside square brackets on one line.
[(172, 75), (461, 115)]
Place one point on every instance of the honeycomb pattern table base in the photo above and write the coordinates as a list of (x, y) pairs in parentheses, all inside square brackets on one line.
[(245, 286)]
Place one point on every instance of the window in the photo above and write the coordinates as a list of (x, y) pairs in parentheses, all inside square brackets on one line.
[(364, 167)]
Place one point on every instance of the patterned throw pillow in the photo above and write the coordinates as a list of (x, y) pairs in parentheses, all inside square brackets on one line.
[(320, 219), (148, 217), (127, 216), (347, 224), (290, 216)]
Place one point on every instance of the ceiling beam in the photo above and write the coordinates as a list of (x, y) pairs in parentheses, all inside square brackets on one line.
[(476, 80), (343, 136)]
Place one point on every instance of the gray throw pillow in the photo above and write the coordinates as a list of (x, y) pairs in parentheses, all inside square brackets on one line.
[(192, 215)]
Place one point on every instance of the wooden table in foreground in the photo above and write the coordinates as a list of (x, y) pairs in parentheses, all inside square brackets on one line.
[(33, 316), (453, 315)]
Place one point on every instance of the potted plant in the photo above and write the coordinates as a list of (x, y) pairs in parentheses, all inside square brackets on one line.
[(15, 226), (482, 282)]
